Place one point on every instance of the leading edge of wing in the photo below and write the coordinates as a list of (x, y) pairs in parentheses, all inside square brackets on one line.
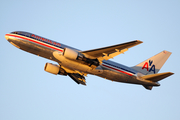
[(111, 49)]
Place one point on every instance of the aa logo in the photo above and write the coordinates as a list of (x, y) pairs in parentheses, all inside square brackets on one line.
[(149, 65)]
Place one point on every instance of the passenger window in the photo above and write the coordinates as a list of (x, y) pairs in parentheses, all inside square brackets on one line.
[(27, 35)]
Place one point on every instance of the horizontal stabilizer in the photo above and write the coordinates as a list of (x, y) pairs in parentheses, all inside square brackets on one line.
[(157, 77)]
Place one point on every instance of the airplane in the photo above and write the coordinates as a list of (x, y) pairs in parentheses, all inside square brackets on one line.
[(78, 64)]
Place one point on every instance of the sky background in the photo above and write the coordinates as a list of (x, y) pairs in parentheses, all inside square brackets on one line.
[(27, 92)]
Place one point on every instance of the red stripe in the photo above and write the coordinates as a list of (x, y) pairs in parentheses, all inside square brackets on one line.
[(35, 42), (117, 70)]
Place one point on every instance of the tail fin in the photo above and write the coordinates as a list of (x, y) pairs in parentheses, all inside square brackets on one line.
[(153, 64)]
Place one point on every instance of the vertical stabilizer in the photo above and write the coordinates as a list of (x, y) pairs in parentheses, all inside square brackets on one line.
[(153, 64)]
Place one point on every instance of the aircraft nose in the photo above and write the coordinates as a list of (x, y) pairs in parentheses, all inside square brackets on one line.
[(7, 37)]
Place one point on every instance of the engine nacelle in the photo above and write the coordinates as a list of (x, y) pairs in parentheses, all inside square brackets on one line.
[(51, 68), (70, 54), (54, 69)]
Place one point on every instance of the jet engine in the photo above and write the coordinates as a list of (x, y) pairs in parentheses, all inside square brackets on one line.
[(54, 69), (74, 55), (70, 54)]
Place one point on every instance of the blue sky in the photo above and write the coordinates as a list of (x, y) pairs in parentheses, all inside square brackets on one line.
[(28, 92)]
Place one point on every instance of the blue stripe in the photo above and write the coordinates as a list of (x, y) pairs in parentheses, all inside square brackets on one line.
[(119, 68)]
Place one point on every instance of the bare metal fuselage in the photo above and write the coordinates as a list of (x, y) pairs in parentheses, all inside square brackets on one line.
[(108, 69)]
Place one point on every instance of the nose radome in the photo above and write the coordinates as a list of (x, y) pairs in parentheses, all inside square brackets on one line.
[(7, 37)]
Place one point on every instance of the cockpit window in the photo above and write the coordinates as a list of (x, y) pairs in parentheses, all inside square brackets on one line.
[(21, 33)]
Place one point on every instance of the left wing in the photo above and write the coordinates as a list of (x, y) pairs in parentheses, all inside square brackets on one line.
[(111, 49), (106, 53)]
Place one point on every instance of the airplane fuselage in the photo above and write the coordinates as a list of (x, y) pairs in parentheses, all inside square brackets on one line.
[(47, 48)]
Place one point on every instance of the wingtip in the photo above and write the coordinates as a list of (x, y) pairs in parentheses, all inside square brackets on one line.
[(171, 73), (139, 41)]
